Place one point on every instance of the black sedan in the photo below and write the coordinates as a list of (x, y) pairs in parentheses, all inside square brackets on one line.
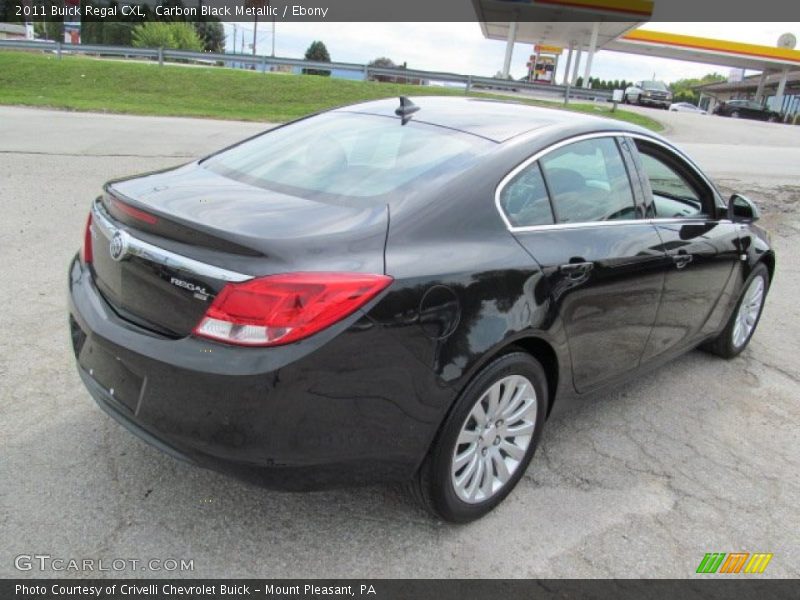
[(394, 291), (746, 109)]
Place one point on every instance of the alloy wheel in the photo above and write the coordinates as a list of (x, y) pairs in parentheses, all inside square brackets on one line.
[(494, 439), (749, 310)]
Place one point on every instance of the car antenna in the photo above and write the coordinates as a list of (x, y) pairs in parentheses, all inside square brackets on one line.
[(405, 110)]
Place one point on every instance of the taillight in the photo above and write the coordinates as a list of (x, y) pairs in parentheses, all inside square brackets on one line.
[(86, 250), (280, 309)]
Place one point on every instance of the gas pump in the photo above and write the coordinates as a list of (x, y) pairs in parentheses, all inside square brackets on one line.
[(543, 63)]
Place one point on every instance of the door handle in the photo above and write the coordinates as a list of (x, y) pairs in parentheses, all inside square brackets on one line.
[(681, 260), (576, 269)]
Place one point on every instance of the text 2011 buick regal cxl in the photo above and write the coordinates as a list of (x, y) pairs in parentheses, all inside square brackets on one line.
[(400, 291)]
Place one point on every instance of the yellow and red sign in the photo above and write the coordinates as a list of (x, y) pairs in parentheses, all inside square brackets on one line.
[(543, 49)]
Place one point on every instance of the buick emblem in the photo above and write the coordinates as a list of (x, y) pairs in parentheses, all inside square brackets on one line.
[(118, 247)]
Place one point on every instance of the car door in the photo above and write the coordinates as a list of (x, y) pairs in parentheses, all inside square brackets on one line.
[(757, 111), (573, 209), (735, 106), (701, 242)]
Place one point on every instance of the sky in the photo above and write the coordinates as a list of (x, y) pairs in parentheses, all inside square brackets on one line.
[(461, 47)]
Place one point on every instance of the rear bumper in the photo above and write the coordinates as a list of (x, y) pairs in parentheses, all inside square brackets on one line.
[(337, 409)]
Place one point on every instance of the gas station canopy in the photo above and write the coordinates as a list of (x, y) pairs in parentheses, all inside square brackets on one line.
[(560, 22), (557, 33), (591, 25), (705, 50)]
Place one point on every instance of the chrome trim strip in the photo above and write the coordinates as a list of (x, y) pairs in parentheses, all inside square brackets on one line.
[(587, 224), (581, 225), (578, 138), (136, 247), (684, 220)]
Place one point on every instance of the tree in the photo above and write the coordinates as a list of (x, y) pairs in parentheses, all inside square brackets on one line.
[(318, 53), (157, 34), (117, 33), (111, 32), (185, 37), (683, 89), (388, 63), (49, 30), (212, 33), (382, 63)]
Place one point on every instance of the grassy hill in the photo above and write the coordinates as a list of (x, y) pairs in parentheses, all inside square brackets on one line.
[(89, 84)]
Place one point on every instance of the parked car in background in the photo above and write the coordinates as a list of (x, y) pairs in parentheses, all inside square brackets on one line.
[(686, 107), (746, 109), (402, 292), (652, 93)]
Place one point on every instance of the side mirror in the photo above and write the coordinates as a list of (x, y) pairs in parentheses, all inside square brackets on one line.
[(743, 210)]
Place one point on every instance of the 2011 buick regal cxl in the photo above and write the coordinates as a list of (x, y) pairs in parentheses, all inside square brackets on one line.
[(400, 291)]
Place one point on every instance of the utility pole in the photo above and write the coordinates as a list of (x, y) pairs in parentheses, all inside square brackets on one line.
[(257, 5)]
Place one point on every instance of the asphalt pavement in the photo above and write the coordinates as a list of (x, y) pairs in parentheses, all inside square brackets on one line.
[(699, 456)]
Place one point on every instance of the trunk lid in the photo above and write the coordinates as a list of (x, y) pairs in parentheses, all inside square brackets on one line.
[(166, 243)]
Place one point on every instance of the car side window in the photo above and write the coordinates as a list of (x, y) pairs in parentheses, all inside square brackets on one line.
[(675, 193), (524, 199), (588, 181)]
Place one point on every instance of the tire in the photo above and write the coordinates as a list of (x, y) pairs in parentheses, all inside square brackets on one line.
[(626, 99), (772, 119), (435, 484), (735, 114), (730, 342)]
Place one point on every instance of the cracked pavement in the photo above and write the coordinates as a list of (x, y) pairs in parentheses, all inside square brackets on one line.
[(698, 456)]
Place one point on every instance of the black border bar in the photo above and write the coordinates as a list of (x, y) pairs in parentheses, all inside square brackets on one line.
[(703, 587), (406, 10)]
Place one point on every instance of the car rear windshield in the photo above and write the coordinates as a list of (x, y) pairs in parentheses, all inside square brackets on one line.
[(654, 85), (348, 155)]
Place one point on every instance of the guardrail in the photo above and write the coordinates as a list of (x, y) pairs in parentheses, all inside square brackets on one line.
[(263, 63)]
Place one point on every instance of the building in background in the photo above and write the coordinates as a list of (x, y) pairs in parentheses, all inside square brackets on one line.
[(747, 88), (13, 31), (72, 24)]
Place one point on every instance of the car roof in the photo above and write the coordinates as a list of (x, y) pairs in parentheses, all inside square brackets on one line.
[(491, 119)]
